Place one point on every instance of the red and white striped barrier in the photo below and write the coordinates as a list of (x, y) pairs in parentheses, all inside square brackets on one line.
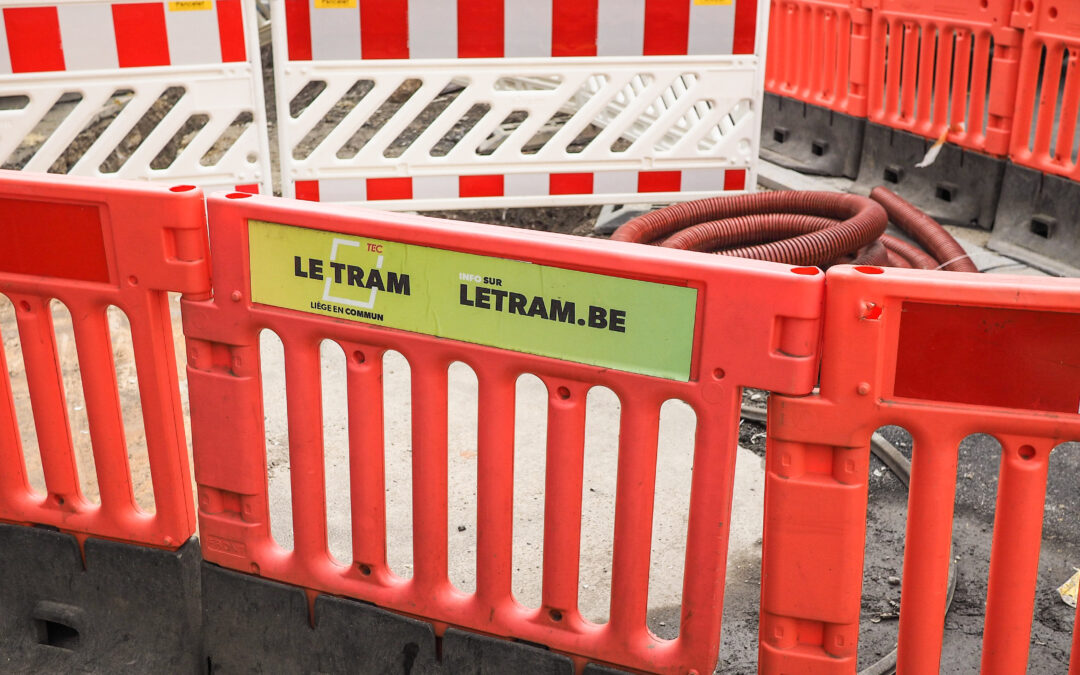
[(524, 187), (437, 29), (103, 78), (424, 104)]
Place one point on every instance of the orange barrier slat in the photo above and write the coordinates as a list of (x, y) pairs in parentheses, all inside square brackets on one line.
[(1014, 555), (770, 342), (367, 481), (927, 550), (922, 351)]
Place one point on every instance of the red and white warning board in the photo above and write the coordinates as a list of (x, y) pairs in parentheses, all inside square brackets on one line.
[(408, 104), (160, 90)]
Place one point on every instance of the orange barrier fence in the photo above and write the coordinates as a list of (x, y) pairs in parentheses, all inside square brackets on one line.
[(951, 66), (943, 358), (818, 51), (942, 68), (92, 244), (649, 324), (1048, 99)]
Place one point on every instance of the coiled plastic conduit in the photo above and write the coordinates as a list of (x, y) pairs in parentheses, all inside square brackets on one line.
[(802, 228)]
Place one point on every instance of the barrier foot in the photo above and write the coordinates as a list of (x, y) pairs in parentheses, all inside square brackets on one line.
[(256, 625), (810, 139), (131, 609), (959, 188), (1036, 221)]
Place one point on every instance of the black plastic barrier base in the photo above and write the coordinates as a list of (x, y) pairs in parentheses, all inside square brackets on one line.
[(1036, 221), (810, 139), (959, 188), (129, 610), (465, 652), (255, 625)]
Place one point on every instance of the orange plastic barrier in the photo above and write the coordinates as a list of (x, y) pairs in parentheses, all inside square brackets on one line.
[(1048, 98), (818, 53), (925, 352), (92, 244), (747, 323), (945, 65)]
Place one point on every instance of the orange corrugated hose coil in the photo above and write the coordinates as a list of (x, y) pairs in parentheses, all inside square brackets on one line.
[(803, 228)]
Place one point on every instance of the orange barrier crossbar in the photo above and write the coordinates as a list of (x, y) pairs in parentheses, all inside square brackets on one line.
[(945, 66), (818, 53), (944, 357), (278, 266), (92, 244)]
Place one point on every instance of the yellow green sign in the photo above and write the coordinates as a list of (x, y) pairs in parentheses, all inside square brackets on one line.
[(624, 324)]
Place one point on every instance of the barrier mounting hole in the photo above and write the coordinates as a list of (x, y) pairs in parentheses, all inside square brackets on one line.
[(358, 356), (564, 394), (1026, 452), (718, 373), (866, 269), (24, 305), (555, 614), (56, 634), (365, 570)]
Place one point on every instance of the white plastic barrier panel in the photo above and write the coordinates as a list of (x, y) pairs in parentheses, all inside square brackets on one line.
[(439, 104), (162, 91)]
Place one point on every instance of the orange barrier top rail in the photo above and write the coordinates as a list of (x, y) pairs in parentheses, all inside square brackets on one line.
[(818, 53), (92, 244), (944, 357), (948, 66), (649, 324), (1048, 97)]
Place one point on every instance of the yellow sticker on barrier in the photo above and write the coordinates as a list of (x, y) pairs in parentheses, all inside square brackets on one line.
[(335, 4), (635, 326), (190, 5), (712, 2)]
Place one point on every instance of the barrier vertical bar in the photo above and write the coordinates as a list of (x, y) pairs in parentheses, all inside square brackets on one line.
[(92, 342), (306, 463), (1048, 103), (927, 549), (159, 394), (1014, 556), (1074, 659), (367, 457), (962, 66), (45, 381), (639, 427), (13, 478), (494, 486), (429, 470), (564, 467), (1070, 105), (706, 553)]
